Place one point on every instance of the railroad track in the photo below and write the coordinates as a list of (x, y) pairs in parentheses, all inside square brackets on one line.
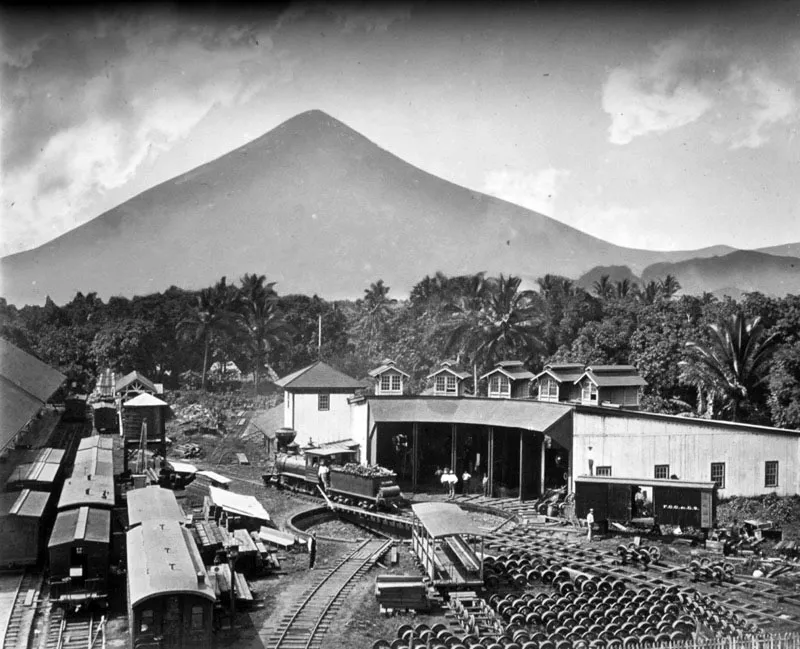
[(75, 632), (601, 562), (23, 611), (306, 623)]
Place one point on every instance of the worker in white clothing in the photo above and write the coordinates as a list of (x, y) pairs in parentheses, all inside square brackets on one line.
[(589, 524)]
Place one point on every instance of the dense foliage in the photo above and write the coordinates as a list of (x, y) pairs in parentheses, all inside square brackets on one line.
[(700, 356)]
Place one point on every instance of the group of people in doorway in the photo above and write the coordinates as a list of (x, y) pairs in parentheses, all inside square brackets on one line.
[(449, 480)]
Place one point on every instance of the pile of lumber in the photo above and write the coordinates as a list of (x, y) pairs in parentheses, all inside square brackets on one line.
[(788, 549), (402, 592)]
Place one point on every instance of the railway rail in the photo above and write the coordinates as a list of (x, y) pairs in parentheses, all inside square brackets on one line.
[(306, 623), (23, 611), (601, 562), (73, 632)]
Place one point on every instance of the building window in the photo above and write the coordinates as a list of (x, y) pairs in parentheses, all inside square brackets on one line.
[(603, 471), (548, 390), (197, 618), (771, 474), (451, 384), (146, 622), (589, 392), (499, 385), (440, 383), (718, 474), (386, 383), (661, 472), (324, 402), (395, 383)]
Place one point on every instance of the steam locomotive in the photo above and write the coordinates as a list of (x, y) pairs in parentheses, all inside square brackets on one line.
[(348, 483)]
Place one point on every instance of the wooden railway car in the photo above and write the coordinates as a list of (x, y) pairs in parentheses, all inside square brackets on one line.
[(170, 600), (75, 407), (24, 522), (363, 486), (79, 550), (692, 506)]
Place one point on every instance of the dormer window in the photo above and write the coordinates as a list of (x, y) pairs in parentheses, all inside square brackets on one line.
[(390, 383), (446, 384), (589, 392), (548, 389), (499, 386)]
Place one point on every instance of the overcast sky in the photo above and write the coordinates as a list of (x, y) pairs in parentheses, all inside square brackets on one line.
[(654, 125)]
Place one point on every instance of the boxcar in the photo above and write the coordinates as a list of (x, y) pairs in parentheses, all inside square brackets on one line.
[(24, 524), (689, 505)]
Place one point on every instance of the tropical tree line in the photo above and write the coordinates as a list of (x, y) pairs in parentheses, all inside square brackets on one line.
[(704, 357)]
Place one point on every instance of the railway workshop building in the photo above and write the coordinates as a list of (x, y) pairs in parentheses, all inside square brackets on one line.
[(567, 421)]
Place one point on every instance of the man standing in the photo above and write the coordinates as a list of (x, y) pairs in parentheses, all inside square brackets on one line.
[(312, 550), (324, 475), (589, 524), (445, 480), (466, 477), (486, 485)]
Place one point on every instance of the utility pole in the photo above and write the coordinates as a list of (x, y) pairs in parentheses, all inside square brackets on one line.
[(319, 338)]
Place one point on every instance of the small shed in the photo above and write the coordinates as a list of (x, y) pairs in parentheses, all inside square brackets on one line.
[(170, 600), (24, 527), (508, 380), (557, 382), (145, 409), (616, 385), (79, 550), (448, 380), (389, 379), (443, 538), (133, 384), (235, 511), (153, 502)]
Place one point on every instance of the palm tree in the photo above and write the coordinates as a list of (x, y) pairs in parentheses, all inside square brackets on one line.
[(603, 288), (212, 314), (624, 288), (669, 286), (261, 319), (732, 363), (650, 293), (504, 322), (377, 308)]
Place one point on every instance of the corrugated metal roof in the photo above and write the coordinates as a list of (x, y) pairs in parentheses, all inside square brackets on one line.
[(82, 524), (167, 562), (149, 503), (450, 368), (81, 490), (144, 400), (17, 408), (239, 504), (126, 380), (387, 365), (645, 482), (25, 504), (445, 519), (510, 413), (611, 369), (513, 373), (567, 372), (28, 373), (319, 375)]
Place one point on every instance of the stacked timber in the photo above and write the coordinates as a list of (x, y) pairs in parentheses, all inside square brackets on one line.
[(219, 578), (210, 539), (401, 592)]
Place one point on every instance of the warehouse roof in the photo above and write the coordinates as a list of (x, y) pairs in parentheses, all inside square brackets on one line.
[(167, 561), (26, 503), (82, 524), (93, 461), (510, 413), (25, 385), (238, 504), (445, 519), (319, 375), (96, 441), (47, 455), (149, 503)]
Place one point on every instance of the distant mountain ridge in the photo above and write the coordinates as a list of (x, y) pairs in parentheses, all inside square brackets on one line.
[(319, 208)]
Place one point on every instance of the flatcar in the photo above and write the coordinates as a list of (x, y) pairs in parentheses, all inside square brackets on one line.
[(349, 483)]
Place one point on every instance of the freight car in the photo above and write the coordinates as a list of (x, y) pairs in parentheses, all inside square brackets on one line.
[(690, 506), (349, 482)]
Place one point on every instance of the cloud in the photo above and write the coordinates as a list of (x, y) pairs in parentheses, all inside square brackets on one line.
[(536, 191), (691, 78), (350, 16), (95, 104)]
